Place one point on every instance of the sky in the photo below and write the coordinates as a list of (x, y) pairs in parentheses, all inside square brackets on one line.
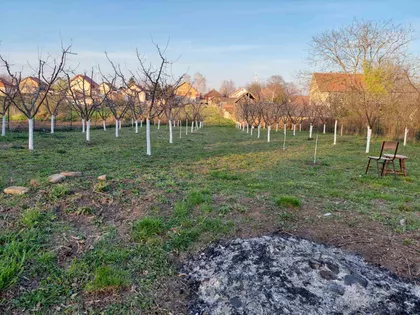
[(223, 40)]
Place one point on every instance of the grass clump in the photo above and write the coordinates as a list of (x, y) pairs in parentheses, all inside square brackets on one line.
[(195, 198), (147, 228), (108, 278), (288, 202)]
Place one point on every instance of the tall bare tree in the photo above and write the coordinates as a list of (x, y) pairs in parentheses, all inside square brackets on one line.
[(28, 99), (55, 98), (227, 87), (7, 93)]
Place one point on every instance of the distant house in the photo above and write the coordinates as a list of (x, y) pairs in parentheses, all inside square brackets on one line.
[(105, 87), (136, 89), (238, 93), (326, 85), (4, 85), (82, 83), (31, 84), (187, 91), (212, 95)]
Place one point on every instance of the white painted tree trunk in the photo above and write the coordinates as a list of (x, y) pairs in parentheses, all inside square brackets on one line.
[(284, 141), (88, 131), (277, 127), (252, 128), (369, 135), (268, 133), (83, 126), (294, 129), (310, 131), (201, 124), (192, 126), (323, 131), (284, 128), (119, 123), (335, 132), (300, 127), (316, 147), (158, 124), (186, 127), (3, 126), (341, 132), (117, 127), (170, 131), (104, 125), (141, 123), (148, 142), (174, 123), (405, 136), (31, 134), (136, 123), (247, 128), (259, 131), (52, 123), (196, 125)]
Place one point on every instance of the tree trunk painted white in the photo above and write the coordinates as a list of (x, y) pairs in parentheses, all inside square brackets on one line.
[(284, 141), (277, 127), (3, 126), (136, 123), (316, 147), (83, 126), (268, 133), (52, 123), (186, 127), (310, 131), (148, 142), (192, 126), (369, 135), (300, 127), (247, 128), (259, 131), (252, 128), (196, 125), (104, 125), (201, 124), (285, 128), (141, 123), (88, 131), (119, 123), (31, 134), (158, 124), (323, 131), (170, 131), (335, 132), (405, 136), (341, 133), (154, 122), (174, 123), (117, 127), (294, 129)]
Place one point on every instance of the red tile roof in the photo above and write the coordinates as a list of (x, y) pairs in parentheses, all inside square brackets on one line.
[(338, 82), (87, 79)]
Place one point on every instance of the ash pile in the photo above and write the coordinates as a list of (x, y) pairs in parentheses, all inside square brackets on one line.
[(287, 275)]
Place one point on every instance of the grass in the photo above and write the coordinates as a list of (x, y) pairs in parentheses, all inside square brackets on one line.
[(61, 245)]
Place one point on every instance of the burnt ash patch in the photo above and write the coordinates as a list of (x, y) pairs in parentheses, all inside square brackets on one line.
[(287, 275)]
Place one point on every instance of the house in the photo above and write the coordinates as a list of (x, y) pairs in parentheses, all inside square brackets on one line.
[(82, 83), (186, 90), (105, 87), (136, 89), (326, 85), (4, 85), (212, 95), (31, 85)]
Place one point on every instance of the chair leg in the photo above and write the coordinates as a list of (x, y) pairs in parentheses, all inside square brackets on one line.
[(393, 168), (367, 168), (383, 172)]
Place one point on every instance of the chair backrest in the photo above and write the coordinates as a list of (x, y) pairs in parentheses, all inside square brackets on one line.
[(391, 146)]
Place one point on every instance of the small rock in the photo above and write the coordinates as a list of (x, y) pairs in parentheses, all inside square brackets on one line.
[(71, 174), (353, 279), (327, 214), (236, 302), (16, 190), (34, 183), (402, 222), (327, 275), (56, 178), (336, 288), (102, 177)]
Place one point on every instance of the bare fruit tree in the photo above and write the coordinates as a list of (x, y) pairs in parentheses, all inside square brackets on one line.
[(227, 87), (55, 98), (7, 93), (29, 94)]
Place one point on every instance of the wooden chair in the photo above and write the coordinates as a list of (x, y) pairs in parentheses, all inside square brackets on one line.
[(390, 146)]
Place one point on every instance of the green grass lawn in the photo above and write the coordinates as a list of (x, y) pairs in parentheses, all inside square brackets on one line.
[(116, 246)]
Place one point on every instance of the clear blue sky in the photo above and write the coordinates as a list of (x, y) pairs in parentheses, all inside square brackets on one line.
[(221, 39)]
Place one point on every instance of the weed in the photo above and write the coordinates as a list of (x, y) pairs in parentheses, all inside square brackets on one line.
[(288, 202), (147, 228), (108, 278)]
